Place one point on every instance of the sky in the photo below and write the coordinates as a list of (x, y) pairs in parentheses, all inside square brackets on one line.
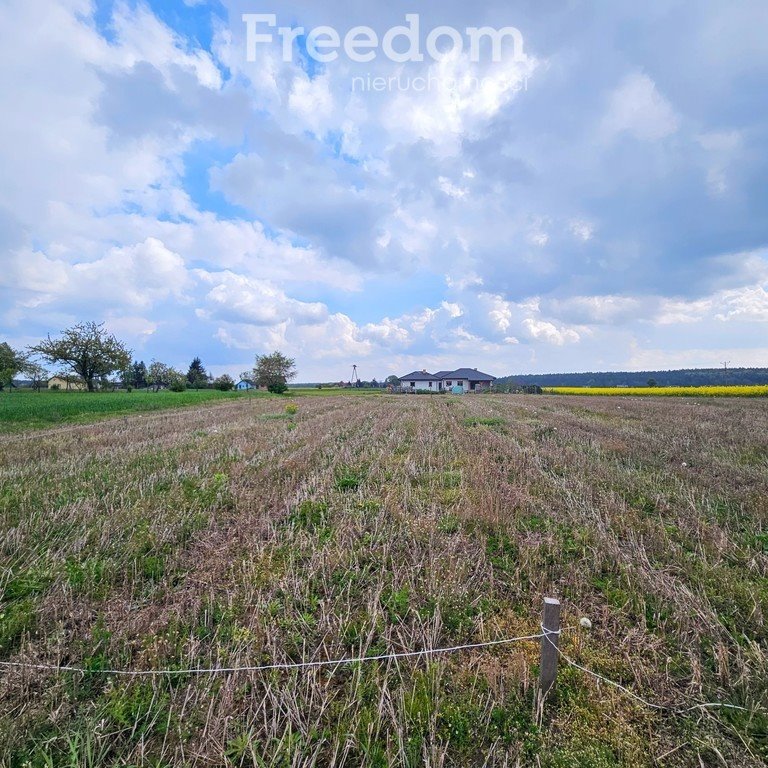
[(598, 202)]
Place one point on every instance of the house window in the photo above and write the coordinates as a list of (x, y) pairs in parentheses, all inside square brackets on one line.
[(413, 383), (430, 385), (450, 383)]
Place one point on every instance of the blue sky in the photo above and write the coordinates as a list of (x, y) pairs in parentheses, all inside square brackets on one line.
[(599, 204)]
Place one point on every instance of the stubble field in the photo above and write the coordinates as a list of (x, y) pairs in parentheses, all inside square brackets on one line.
[(236, 534)]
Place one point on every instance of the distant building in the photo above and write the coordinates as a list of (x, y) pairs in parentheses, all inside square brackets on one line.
[(61, 382), (244, 384), (459, 381)]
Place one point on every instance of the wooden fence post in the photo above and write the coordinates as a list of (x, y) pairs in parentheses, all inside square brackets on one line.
[(549, 644)]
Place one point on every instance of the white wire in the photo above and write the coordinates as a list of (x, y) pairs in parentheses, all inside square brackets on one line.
[(547, 632), (266, 667)]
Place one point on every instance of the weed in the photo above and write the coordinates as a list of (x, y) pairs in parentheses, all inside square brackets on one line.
[(349, 478), (397, 602), (310, 515), (483, 421)]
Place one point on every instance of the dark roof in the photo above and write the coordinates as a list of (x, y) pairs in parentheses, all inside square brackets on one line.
[(420, 376), (470, 374)]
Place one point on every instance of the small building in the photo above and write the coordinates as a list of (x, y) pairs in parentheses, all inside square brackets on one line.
[(66, 382), (245, 384)]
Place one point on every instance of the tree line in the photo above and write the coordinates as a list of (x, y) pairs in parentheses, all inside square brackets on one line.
[(88, 356), (688, 377)]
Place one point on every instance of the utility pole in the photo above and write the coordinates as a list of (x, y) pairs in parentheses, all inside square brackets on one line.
[(725, 366)]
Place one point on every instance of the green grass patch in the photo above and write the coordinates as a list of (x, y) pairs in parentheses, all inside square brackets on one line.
[(20, 411), (487, 421), (349, 478)]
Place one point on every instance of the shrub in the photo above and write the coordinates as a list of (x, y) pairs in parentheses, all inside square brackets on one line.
[(278, 388), (224, 383), (291, 409)]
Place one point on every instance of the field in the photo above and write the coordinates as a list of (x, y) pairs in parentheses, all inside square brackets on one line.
[(26, 409), (239, 534), (33, 410), (760, 390)]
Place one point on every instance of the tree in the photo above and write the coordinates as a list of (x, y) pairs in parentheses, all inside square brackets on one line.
[(88, 350), (652, 383), (177, 381), (274, 372), (158, 375), (37, 374), (197, 376), (136, 375), (392, 381), (12, 362), (225, 383)]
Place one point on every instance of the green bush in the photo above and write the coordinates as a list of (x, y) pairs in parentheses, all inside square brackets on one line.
[(224, 383)]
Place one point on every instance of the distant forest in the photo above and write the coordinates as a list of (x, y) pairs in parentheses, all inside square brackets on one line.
[(692, 377)]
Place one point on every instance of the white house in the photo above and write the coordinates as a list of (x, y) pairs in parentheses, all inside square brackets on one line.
[(459, 381), (244, 384), (420, 381)]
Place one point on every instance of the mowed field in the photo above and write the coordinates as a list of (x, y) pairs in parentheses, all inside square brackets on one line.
[(236, 534), (25, 409)]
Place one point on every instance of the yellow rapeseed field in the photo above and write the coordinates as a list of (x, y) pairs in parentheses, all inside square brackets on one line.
[(714, 391)]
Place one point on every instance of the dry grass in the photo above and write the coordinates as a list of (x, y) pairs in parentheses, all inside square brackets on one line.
[(241, 534)]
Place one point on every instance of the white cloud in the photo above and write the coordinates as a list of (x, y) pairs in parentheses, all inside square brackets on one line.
[(636, 107), (387, 333), (582, 230), (237, 299), (542, 330), (462, 96), (132, 277), (447, 187), (454, 310), (722, 148), (746, 304), (311, 100), (675, 312)]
